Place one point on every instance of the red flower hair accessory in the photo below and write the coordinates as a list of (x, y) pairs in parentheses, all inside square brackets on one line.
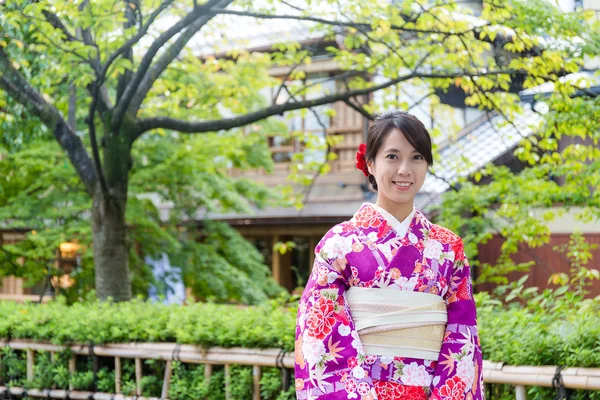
[(361, 163)]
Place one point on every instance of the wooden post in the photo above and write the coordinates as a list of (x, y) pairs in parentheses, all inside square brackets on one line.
[(30, 364), (167, 379), (276, 263), (138, 376), (189, 295), (227, 378), (117, 375), (285, 268), (207, 371), (520, 393), (52, 361), (72, 365), (256, 374), (207, 374)]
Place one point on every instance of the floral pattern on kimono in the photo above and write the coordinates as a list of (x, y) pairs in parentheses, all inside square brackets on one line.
[(367, 251)]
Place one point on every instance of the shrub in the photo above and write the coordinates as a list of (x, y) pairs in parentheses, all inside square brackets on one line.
[(546, 329)]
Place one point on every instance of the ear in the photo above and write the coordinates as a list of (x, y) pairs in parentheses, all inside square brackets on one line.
[(371, 167)]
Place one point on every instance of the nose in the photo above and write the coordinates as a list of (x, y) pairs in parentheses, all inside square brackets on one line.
[(404, 168)]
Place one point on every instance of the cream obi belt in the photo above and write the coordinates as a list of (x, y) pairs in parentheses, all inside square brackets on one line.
[(397, 323)]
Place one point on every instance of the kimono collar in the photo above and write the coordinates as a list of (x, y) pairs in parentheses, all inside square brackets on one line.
[(400, 227)]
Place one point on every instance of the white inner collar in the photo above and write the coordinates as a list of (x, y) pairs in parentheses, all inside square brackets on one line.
[(400, 227)]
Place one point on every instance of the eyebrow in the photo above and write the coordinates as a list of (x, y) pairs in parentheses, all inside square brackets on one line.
[(393, 150)]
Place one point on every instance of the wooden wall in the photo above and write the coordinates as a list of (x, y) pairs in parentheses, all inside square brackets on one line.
[(347, 123), (547, 260), (10, 286)]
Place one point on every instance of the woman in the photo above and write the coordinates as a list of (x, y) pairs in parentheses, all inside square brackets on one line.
[(388, 311)]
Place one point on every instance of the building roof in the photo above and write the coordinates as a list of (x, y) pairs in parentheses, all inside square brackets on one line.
[(491, 136), (479, 144)]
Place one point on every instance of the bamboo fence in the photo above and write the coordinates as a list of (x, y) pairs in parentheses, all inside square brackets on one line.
[(493, 373)]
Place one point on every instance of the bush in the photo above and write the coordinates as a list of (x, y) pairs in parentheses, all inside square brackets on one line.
[(564, 331), (205, 324)]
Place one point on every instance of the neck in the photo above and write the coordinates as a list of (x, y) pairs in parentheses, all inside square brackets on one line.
[(399, 210)]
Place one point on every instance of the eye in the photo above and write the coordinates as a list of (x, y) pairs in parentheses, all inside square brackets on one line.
[(418, 157), (391, 156)]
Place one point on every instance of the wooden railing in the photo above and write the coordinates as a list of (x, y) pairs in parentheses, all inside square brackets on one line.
[(168, 352), (493, 373), (22, 298), (523, 376)]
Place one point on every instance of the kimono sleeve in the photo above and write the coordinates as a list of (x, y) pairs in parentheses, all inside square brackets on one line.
[(458, 374), (329, 357)]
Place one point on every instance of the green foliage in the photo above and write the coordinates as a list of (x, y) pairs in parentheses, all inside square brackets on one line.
[(518, 206), (205, 324), (564, 330), (269, 326), (578, 251), (554, 328), (14, 367), (436, 46), (189, 383), (189, 172)]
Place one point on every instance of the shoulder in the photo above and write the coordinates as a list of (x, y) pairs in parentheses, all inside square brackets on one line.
[(338, 232), (443, 234), (337, 241), (449, 239)]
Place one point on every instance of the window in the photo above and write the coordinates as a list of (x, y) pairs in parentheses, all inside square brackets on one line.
[(314, 122)]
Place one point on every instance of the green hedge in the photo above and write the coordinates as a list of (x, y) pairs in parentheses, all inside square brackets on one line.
[(268, 326), (551, 330), (207, 324), (565, 334), (568, 336)]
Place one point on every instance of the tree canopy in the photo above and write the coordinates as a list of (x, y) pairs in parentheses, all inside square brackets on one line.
[(104, 102)]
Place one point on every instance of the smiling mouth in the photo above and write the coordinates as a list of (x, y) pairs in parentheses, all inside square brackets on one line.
[(402, 184)]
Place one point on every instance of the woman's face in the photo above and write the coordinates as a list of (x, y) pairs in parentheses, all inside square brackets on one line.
[(399, 170)]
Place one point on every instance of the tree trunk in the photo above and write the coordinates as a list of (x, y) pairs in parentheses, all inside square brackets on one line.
[(110, 247)]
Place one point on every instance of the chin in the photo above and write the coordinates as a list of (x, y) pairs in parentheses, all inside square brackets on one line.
[(406, 198), (403, 200)]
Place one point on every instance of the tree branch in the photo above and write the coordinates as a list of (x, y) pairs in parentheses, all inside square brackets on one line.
[(144, 125), (17, 86), (132, 41), (358, 108), (57, 24), (123, 103), (285, 78), (94, 142), (484, 94), (125, 77), (103, 100), (292, 6), (169, 55), (418, 102), (355, 25)]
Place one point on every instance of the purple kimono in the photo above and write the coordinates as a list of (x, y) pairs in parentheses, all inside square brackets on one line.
[(375, 250)]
